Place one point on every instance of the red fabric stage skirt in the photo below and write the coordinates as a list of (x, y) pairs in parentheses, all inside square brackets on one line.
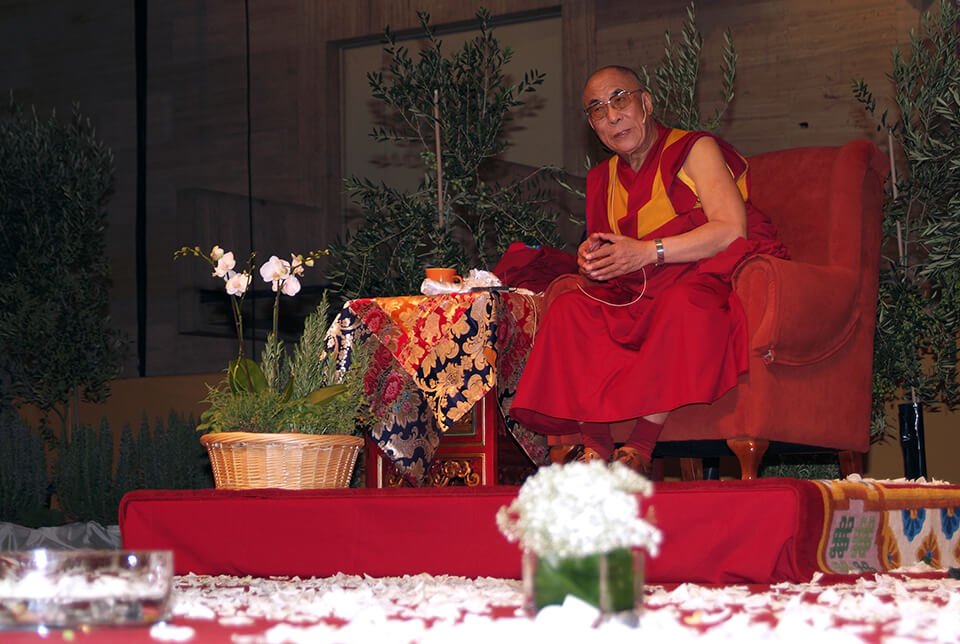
[(714, 531)]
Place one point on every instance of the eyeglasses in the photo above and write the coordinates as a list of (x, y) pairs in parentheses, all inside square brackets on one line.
[(619, 101)]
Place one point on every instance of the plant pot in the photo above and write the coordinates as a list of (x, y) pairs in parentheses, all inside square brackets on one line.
[(612, 582), (246, 460)]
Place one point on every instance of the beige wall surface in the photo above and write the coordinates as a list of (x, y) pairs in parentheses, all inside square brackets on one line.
[(797, 60), (942, 442)]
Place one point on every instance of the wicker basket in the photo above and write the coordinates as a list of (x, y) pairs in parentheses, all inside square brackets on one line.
[(244, 460)]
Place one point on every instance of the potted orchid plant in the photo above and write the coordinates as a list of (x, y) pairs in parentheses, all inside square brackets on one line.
[(304, 396)]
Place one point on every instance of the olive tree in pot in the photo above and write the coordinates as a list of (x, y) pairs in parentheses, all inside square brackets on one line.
[(915, 350), (676, 78), (57, 344), (455, 109)]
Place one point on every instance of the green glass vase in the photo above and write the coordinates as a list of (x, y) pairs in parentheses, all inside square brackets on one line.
[(610, 581)]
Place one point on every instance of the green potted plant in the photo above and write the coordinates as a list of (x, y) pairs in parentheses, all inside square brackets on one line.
[(288, 421), (57, 342), (918, 312), (573, 545), (455, 109)]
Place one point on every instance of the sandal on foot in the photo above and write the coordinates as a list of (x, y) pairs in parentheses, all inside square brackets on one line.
[(632, 458), (583, 454)]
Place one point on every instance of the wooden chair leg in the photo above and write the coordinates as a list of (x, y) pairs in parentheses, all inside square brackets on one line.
[(691, 469), (850, 463), (749, 452)]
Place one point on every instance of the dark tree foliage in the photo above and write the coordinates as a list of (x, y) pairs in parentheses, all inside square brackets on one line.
[(404, 232), (85, 481), (55, 333), (93, 476), (918, 312), (185, 464), (23, 469)]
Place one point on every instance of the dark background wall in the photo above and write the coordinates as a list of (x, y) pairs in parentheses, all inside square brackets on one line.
[(797, 59)]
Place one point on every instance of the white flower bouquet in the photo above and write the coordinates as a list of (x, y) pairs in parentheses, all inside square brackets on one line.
[(582, 533)]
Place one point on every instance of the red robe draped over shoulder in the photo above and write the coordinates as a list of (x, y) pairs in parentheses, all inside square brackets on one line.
[(656, 339)]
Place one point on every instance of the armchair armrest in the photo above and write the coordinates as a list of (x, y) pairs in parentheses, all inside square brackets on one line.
[(797, 313)]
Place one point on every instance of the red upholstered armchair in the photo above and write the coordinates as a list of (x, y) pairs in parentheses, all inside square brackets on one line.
[(810, 319)]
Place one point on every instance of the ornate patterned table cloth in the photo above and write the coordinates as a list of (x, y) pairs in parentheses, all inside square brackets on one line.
[(432, 359)]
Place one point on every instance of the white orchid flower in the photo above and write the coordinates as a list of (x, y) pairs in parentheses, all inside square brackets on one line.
[(275, 270), (290, 286), (225, 263), (216, 253), (237, 283), (297, 262)]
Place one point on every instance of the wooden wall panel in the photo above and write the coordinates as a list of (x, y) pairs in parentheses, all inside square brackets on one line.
[(579, 60), (363, 18), (797, 59), (56, 53)]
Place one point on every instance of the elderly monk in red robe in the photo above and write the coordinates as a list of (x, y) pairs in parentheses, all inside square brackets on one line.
[(650, 323)]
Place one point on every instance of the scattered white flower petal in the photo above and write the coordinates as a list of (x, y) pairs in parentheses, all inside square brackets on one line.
[(425, 609), (169, 633)]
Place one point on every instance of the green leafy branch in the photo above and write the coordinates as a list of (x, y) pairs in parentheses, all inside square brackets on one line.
[(56, 340), (918, 310), (677, 76), (405, 231)]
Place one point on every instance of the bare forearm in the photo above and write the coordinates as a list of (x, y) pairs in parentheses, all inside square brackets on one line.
[(702, 242), (604, 256)]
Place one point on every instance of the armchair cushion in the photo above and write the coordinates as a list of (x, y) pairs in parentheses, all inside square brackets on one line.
[(798, 313)]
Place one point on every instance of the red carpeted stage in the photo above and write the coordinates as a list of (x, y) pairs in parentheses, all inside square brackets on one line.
[(762, 531)]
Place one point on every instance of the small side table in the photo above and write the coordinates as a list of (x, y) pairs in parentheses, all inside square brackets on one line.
[(477, 450), (442, 375)]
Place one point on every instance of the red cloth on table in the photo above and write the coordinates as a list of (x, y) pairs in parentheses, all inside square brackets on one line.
[(533, 267), (653, 340)]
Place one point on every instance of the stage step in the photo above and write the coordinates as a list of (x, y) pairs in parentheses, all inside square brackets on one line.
[(761, 531), (714, 531)]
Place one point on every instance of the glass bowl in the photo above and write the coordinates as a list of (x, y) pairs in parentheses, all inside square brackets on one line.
[(69, 588)]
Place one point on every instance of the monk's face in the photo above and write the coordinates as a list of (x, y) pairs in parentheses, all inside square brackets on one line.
[(623, 131)]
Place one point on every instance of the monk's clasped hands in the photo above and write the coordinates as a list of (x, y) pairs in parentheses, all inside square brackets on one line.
[(604, 256)]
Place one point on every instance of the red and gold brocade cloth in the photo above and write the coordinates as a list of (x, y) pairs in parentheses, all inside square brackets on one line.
[(883, 526), (433, 358)]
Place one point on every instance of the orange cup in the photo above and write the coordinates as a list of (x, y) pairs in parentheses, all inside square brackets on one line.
[(448, 275)]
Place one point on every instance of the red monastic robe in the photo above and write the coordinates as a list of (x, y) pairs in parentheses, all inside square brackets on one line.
[(653, 340)]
